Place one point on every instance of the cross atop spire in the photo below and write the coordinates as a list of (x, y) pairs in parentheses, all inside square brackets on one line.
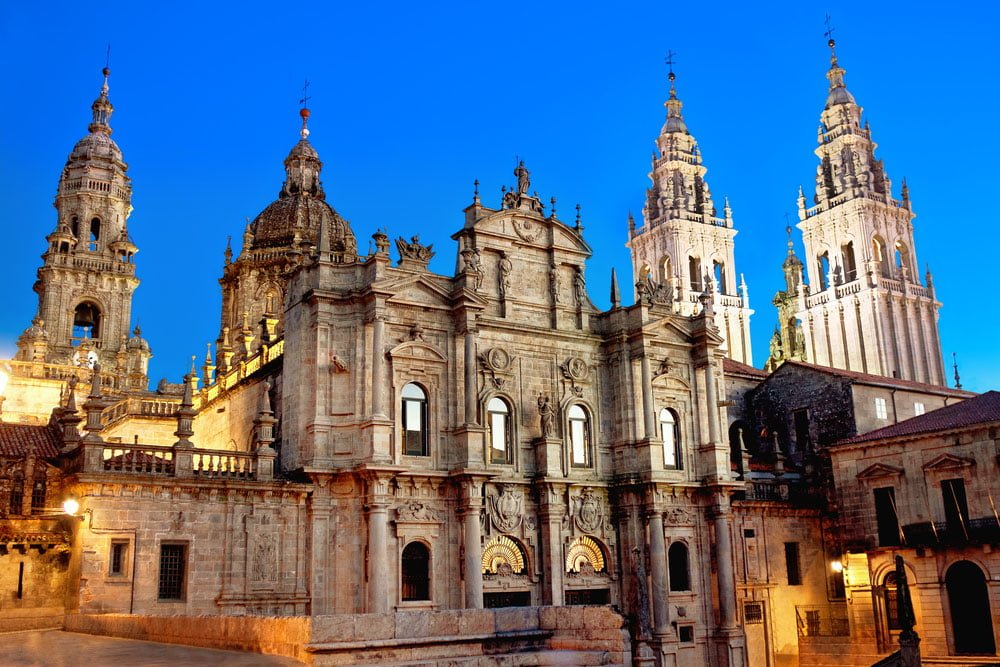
[(669, 60), (305, 95)]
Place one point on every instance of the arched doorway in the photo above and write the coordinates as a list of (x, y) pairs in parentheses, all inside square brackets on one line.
[(971, 621)]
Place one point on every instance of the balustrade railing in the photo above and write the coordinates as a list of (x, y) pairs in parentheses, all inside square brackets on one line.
[(218, 465), (826, 620), (138, 459)]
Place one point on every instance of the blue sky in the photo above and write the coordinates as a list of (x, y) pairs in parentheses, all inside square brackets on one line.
[(412, 102)]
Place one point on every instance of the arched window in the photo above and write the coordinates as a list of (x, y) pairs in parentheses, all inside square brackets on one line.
[(86, 322), (891, 599), (498, 422), (414, 420), (670, 435), (823, 268), (95, 234), (719, 276), (17, 494), (694, 271), (416, 574), (74, 226), (579, 437), (677, 562), (666, 271), (850, 264)]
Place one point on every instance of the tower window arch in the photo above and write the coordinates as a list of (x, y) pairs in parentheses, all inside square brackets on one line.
[(678, 566), (823, 269), (579, 436), (74, 226), (881, 261), (499, 424), (666, 270), (416, 572), (95, 234), (86, 322), (414, 408), (902, 257), (694, 270), (890, 598), (850, 263), (719, 276), (670, 435)]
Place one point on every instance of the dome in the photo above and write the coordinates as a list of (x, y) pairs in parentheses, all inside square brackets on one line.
[(303, 149), (301, 215), (839, 95), (137, 342), (96, 144)]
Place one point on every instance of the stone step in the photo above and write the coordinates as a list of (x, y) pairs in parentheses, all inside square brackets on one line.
[(531, 659)]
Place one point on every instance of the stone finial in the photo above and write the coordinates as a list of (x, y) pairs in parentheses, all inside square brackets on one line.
[(185, 416)]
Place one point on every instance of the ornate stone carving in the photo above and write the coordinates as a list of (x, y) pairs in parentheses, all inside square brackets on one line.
[(589, 511), (337, 365), (414, 249), (417, 511), (265, 558), (504, 267), (506, 509), (575, 368), (497, 364), (527, 229), (473, 264), (679, 516)]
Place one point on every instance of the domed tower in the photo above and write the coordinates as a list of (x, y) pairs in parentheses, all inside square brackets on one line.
[(683, 249), (865, 308), (87, 278), (277, 241)]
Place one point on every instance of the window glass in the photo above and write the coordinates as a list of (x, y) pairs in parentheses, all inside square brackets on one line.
[(499, 425), (414, 420), (579, 435), (668, 433)]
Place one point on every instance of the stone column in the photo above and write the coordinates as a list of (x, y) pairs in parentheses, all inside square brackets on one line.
[(473, 548), (470, 374), (379, 564), (712, 398), (551, 513), (647, 399), (658, 570), (724, 563), (378, 368)]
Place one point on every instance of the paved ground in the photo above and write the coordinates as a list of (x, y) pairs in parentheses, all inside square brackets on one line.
[(55, 648)]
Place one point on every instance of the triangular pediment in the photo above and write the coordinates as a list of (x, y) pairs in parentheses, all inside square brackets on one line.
[(948, 462), (418, 289), (878, 470)]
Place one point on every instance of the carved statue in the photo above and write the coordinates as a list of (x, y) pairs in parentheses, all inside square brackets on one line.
[(546, 414), (554, 285), (504, 268), (580, 287), (474, 265), (414, 249), (523, 178)]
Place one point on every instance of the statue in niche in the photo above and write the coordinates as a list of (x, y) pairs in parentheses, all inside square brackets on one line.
[(546, 415), (504, 267), (580, 287), (554, 285)]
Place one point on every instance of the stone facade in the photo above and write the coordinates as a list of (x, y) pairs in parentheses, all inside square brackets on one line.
[(373, 444)]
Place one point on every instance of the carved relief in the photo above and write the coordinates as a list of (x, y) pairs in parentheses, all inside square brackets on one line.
[(527, 229), (417, 511), (265, 559), (414, 249), (679, 516), (497, 362), (506, 509)]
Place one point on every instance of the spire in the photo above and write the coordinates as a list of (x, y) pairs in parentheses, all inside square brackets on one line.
[(675, 122), (792, 266), (838, 89), (616, 297), (958, 380), (102, 108)]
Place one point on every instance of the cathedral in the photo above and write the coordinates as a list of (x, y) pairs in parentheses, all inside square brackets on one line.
[(383, 465)]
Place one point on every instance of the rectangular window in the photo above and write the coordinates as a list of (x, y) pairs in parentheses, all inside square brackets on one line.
[(17, 496), (685, 634), (118, 558), (918, 409), (578, 436), (803, 442), (885, 517), (38, 494), (173, 563), (498, 437), (880, 411), (753, 613), (792, 564), (956, 507)]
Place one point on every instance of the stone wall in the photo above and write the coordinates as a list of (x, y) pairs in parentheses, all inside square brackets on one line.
[(380, 639)]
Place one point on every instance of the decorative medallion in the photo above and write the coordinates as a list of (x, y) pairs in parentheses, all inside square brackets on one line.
[(506, 509), (584, 556), (575, 369), (589, 511), (527, 229)]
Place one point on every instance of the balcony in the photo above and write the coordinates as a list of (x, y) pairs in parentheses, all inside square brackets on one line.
[(985, 530), (826, 620)]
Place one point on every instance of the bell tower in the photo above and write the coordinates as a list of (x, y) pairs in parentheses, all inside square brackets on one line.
[(87, 277), (684, 248), (864, 308)]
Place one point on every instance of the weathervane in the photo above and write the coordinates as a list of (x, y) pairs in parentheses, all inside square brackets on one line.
[(107, 59), (305, 95), (669, 60), (829, 30)]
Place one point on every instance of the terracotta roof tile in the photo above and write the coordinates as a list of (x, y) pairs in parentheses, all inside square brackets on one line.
[(881, 380), (982, 409), (17, 440), (731, 366)]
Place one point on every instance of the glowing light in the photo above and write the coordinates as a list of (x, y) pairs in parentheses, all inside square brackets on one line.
[(3, 380), (837, 566), (71, 506)]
